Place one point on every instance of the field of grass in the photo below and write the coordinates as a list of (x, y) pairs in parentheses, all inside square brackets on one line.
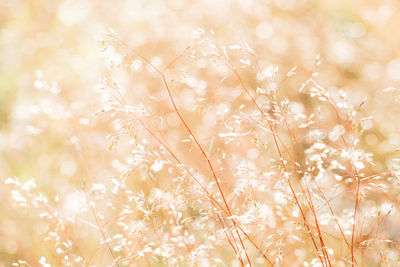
[(199, 133)]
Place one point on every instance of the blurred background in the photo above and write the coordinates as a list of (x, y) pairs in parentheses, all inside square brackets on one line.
[(55, 57)]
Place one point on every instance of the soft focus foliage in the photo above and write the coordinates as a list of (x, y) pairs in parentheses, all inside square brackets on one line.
[(199, 133)]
